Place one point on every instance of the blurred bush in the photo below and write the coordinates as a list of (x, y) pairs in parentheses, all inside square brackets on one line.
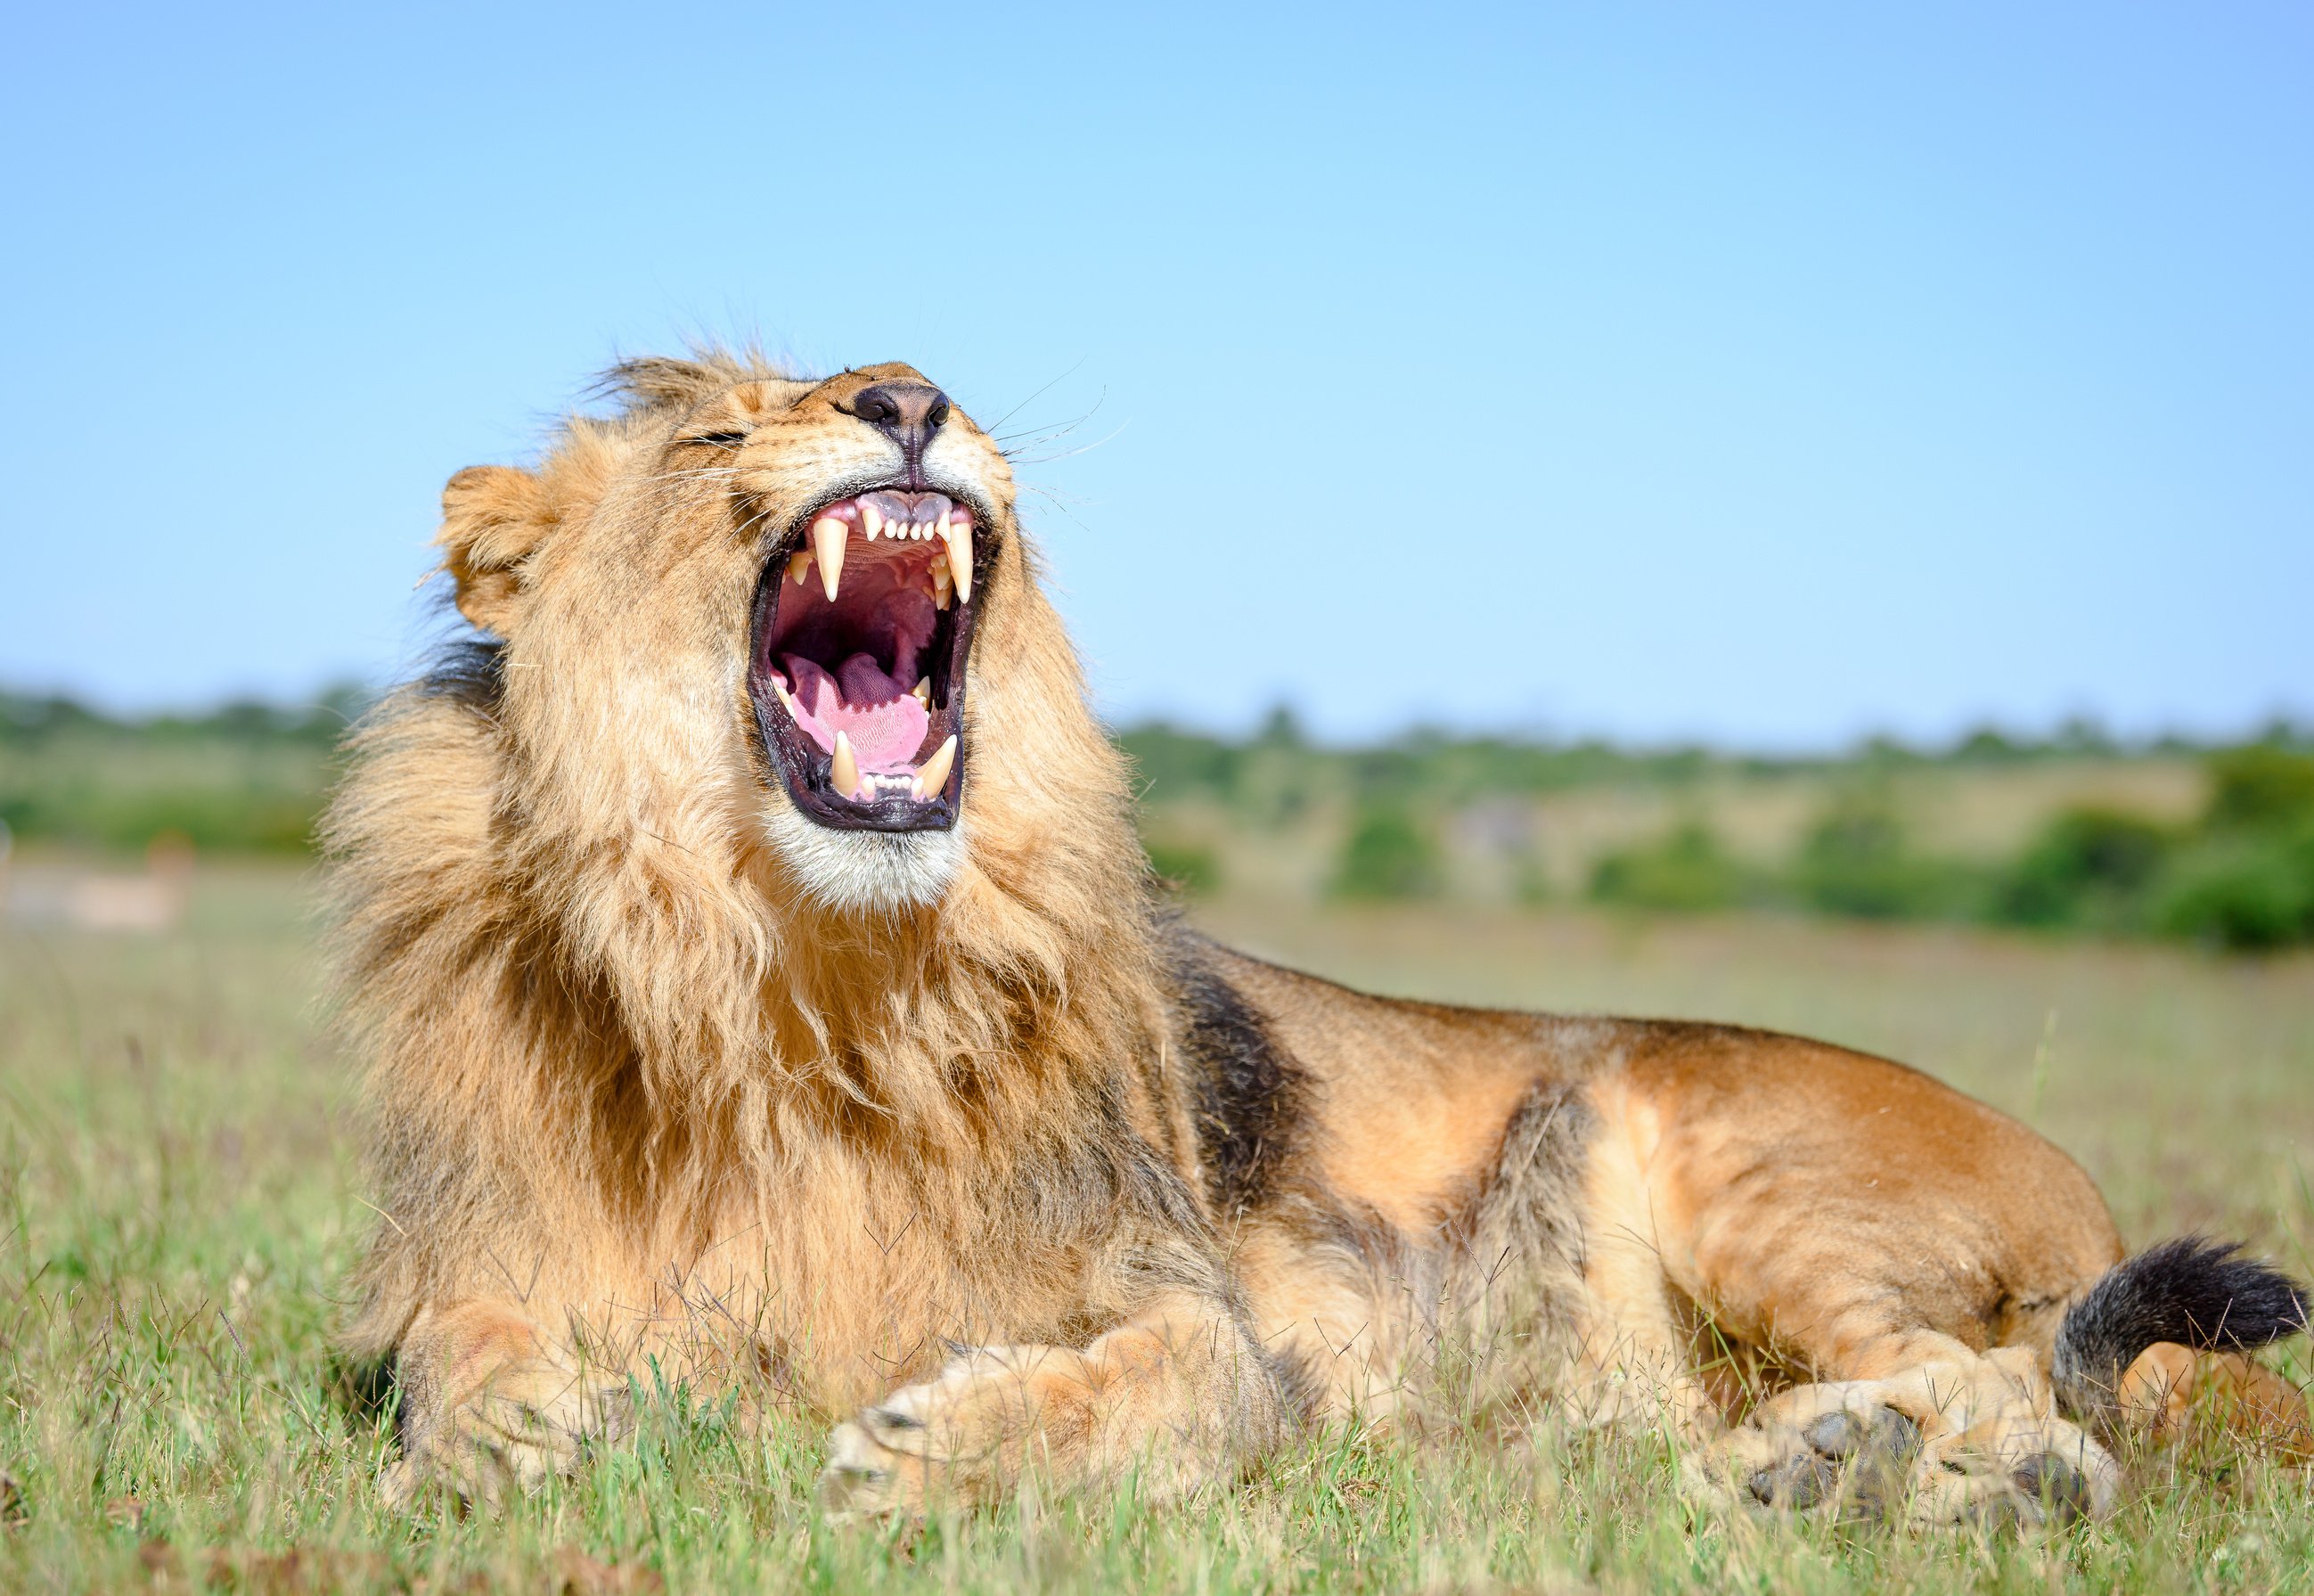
[(2088, 868), (1685, 869), (1389, 854), (2262, 788), (2243, 894), (1858, 860), (2246, 881), (2242, 877)]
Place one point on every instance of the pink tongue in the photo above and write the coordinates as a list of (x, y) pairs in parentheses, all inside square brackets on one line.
[(881, 717)]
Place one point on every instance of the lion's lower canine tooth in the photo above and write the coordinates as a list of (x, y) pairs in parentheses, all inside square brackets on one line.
[(843, 774), (799, 566), (828, 536), (957, 535), (934, 775)]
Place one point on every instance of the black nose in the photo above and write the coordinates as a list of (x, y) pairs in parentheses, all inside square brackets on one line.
[(908, 413), (900, 407)]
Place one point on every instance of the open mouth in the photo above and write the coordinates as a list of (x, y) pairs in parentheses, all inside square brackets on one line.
[(861, 628)]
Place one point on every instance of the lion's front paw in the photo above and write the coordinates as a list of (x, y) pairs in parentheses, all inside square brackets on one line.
[(1940, 1445), (528, 1426), (962, 1437)]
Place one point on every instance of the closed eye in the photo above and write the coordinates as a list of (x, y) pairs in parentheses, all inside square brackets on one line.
[(719, 440)]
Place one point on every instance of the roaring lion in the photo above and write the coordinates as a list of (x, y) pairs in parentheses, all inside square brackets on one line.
[(763, 990)]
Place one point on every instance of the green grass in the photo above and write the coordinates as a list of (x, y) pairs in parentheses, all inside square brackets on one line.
[(181, 1200)]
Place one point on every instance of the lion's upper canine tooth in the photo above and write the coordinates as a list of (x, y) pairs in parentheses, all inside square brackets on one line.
[(871, 521), (934, 776), (956, 532), (799, 566), (844, 773), (828, 536)]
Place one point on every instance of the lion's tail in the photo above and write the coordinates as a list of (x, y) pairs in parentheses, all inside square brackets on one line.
[(2194, 1291)]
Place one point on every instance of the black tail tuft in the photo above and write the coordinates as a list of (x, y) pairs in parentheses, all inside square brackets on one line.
[(2200, 1293)]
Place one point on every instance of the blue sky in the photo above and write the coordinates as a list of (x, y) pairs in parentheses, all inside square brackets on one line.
[(1768, 373)]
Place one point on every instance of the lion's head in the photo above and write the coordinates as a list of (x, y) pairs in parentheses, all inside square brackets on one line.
[(758, 615)]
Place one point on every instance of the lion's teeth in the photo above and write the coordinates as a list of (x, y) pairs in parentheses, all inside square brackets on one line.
[(943, 585), (787, 700), (924, 693), (799, 566), (934, 776), (828, 536), (843, 774), (871, 521), (957, 534)]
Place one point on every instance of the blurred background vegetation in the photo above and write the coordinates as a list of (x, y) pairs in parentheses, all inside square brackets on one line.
[(246, 777), (2072, 833)]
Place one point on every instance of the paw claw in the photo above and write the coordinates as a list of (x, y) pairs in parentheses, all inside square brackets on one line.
[(1886, 1437), (1835, 1434), (1796, 1484), (2060, 1490)]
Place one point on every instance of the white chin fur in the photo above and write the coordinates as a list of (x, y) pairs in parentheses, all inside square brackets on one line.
[(866, 872)]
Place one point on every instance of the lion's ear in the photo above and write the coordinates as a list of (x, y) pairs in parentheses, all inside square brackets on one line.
[(493, 518)]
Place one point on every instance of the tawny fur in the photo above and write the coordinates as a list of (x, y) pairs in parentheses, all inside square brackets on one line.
[(649, 1082)]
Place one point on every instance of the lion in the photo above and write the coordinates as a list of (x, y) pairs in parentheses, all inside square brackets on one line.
[(762, 992)]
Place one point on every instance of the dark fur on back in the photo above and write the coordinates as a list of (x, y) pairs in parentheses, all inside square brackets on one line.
[(1251, 1096), (2192, 1290)]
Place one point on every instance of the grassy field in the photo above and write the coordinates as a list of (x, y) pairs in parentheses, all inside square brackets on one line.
[(181, 1200)]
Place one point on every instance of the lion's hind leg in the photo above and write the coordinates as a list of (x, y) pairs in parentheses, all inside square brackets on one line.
[(1630, 1358), (2173, 1393)]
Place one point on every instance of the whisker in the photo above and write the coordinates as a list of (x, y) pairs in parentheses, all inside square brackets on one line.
[(1032, 399), (1060, 431), (1071, 454), (1034, 440), (1058, 502)]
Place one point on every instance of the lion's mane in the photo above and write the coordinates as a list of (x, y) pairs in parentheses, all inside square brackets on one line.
[(593, 996)]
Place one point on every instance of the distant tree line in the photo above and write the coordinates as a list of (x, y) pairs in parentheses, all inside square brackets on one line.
[(1279, 764), (251, 777), (246, 777), (2240, 874)]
